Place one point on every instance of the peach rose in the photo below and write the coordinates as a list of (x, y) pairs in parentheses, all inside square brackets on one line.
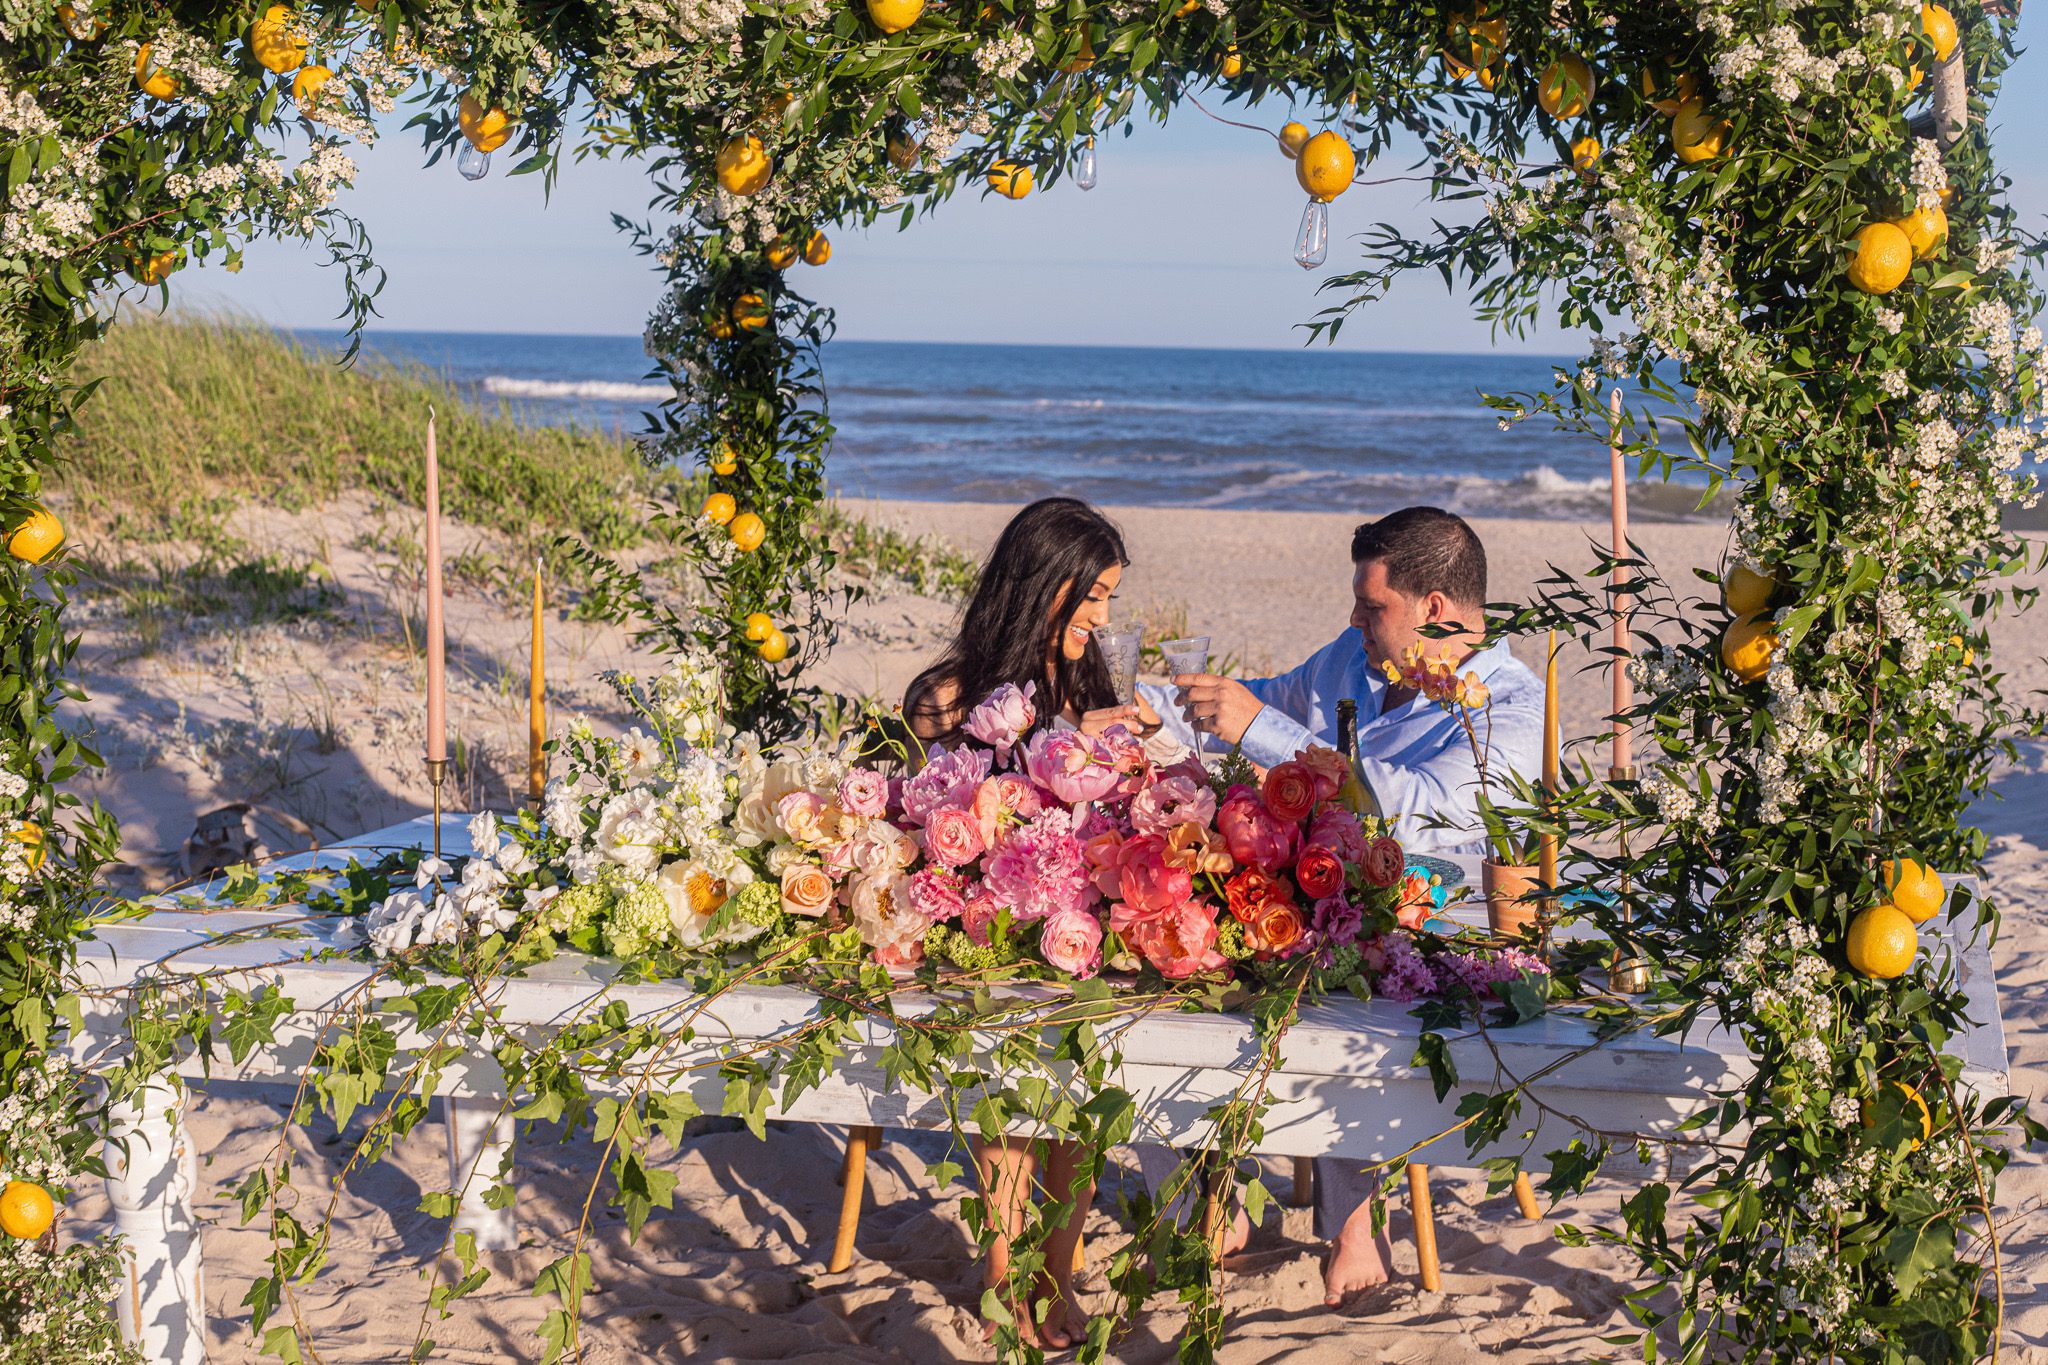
[(806, 890), (1328, 768)]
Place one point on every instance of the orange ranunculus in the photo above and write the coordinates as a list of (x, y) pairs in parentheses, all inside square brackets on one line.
[(1278, 930), (1251, 891), (1290, 791), (1198, 849)]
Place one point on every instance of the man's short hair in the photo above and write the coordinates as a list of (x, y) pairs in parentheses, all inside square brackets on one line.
[(1426, 550)]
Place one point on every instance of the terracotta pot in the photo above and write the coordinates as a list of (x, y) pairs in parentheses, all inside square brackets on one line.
[(1505, 885)]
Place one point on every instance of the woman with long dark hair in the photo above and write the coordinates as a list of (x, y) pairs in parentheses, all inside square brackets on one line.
[(1044, 591)]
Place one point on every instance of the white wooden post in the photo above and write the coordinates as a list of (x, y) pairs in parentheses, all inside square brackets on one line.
[(479, 1140), (151, 1176)]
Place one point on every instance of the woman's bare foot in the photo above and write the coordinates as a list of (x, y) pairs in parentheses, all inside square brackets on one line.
[(1361, 1259), (1027, 1328), (1066, 1321)]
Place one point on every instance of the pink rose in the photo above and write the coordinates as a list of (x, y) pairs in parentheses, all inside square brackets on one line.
[(1180, 943), (1290, 792), (952, 836), (1328, 768), (1071, 765), (938, 895), (1005, 717), (901, 957), (1339, 830), (1071, 942), (1148, 883), (839, 860), (864, 792), (1384, 862), (1254, 836), (801, 814), (980, 912), (806, 890), (1171, 802)]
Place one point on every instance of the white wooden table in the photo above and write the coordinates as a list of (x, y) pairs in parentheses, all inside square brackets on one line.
[(1345, 1087)]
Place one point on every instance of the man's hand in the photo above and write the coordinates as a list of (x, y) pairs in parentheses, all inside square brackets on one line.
[(1219, 706)]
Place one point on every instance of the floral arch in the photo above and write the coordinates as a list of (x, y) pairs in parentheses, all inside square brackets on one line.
[(1792, 202)]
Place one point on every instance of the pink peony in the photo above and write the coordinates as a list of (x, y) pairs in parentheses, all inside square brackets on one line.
[(1253, 835), (1340, 831), (980, 912), (1071, 765), (1126, 753), (952, 836), (1039, 868), (1180, 943), (1005, 717), (948, 779), (838, 859), (938, 895), (1148, 884), (1171, 802), (864, 792), (901, 957), (1071, 941)]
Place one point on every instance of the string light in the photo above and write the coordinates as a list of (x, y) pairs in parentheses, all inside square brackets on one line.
[(1084, 165)]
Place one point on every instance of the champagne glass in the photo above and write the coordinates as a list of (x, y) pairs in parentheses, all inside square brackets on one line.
[(1187, 656), (1120, 646)]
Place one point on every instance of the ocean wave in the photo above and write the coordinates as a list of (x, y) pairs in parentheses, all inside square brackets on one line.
[(603, 390)]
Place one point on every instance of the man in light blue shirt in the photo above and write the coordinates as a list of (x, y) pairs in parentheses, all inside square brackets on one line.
[(1417, 568)]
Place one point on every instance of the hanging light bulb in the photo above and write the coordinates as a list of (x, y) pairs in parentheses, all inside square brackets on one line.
[(473, 164), (1084, 168), (1312, 238)]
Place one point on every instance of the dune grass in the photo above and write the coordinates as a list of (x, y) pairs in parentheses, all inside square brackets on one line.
[(198, 411)]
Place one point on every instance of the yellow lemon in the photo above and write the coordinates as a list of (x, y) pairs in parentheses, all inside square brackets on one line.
[(720, 509), (1882, 942), (751, 311), (152, 269), (486, 129), (902, 152), (26, 1210), (1969, 655), (775, 106), (1697, 135), (1484, 38), (1940, 27), (161, 84), (1586, 152), (1565, 87), (274, 42), (36, 539), (1883, 259), (721, 327), (759, 623), (728, 461), (774, 647), (80, 32), (1684, 90), (1009, 179), (1232, 65), (817, 249), (1914, 889), (1747, 646), (781, 253), (748, 531), (1292, 136), (307, 84), (1745, 591), (1188, 8), (1912, 1101), (30, 834), (1326, 166), (1083, 59), (1926, 229), (893, 16), (743, 165)]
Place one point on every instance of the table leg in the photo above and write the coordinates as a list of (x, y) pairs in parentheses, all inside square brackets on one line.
[(1425, 1225), (1525, 1196), (480, 1137), (151, 1176), (1304, 1193), (858, 1139)]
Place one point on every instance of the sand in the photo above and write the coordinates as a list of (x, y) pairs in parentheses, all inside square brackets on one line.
[(315, 720)]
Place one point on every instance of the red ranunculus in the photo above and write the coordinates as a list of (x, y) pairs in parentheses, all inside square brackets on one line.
[(1290, 791), (1384, 861), (1251, 890), (1320, 872)]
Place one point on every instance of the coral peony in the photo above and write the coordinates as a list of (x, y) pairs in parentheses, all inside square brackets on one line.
[(1180, 943), (1148, 884), (1252, 834)]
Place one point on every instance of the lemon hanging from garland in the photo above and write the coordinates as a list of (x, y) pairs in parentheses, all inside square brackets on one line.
[(893, 16), (1747, 646), (1697, 135), (774, 646), (759, 623), (751, 312), (1232, 65), (1745, 591), (37, 538), (1586, 152), (720, 509), (275, 42), (29, 834), (1940, 27), (26, 1210), (1326, 166), (487, 129), (781, 253), (747, 531), (743, 165), (1009, 179), (1565, 87), (728, 461), (151, 270), (1926, 229), (1916, 890), (1882, 942), (307, 85), (1293, 136), (817, 249), (1882, 260), (159, 82), (1910, 1102)]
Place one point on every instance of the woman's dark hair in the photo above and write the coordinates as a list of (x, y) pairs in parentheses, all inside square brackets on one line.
[(1049, 555)]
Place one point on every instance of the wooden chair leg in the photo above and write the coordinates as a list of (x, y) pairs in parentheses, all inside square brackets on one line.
[(855, 1177), (1525, 1195), (1425, 1225), (1304, 1193)]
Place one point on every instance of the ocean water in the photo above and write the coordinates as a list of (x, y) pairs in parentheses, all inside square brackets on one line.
[(1290, 430)]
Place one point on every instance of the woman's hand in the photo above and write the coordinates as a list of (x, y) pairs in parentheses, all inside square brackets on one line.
[(1138, 717)]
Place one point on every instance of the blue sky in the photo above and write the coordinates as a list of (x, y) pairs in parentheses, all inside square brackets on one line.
[(1186, 242)]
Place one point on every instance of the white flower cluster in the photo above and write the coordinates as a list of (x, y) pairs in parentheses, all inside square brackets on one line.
[(1004, 55), (1929, 176), (1894, 383), (1992, 326), (438, 913), (1678, 804), (317, 180), (1991, 257), (22, 119), (1891, 319), (42, 1088), (190, 58), (1779, 61), (48, 214)]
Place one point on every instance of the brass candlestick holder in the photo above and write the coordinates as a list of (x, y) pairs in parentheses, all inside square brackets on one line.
[(1628, 975), (437, 775)]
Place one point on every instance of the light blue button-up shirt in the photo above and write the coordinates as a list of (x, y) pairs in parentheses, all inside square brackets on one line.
[(1416, 759)]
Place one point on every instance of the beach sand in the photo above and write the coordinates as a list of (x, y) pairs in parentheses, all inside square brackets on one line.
[(316, 720)]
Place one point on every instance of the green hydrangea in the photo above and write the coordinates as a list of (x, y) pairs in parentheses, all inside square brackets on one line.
[(1230, 940), (1344, 962), (969, 956), (639, 922), (935, 939), (758, 903), (578, 908)]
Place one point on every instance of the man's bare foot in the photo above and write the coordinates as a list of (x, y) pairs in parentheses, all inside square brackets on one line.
[(1360, 1260)]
